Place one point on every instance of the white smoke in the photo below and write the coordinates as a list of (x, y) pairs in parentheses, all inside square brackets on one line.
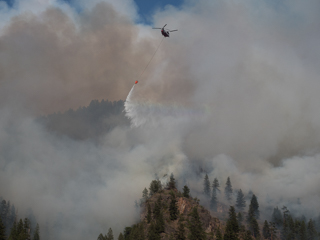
[(235, 92)]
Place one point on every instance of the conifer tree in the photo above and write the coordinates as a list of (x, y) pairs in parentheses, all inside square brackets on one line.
[(195, 226), (159, 224), (206, 186), (172, 182), (137, 232), (158, 216), (36, 235), (120, 237), (126, 233), (157, 207), (266, 230), (219, 235), (239, 218), (4, 211), (173, 208), (213, 200), (20, 230), (303, 231), (152, 233), (148, 213), (273, 230), (288, 224), (248, 235), (26, 228), (13, 233), (232, 228), (277, 217), (180, 233), (11, 219), (228, 190), (2, 231), (254, 227), (155, 186), (240, 202), (145, 194), (101, 237), (216, 185), (311, 230), (110, 235), (186, 191), (253, 209)]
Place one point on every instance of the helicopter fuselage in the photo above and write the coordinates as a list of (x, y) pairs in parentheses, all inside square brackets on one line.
[(165, 33)]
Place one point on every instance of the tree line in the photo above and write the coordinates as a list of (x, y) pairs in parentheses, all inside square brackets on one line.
[(13, 229), (98, 118), (240, 225), (282, 225)]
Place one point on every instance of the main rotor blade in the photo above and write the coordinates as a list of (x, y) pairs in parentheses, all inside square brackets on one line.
[(156, 28), (164, 25), (173, 30)]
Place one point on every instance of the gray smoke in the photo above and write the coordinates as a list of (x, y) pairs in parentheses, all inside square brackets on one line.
[(233, 92)]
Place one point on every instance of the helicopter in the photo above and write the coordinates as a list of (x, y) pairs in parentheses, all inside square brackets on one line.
[(166, 32)]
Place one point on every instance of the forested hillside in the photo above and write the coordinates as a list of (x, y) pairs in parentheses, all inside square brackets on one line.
[(87, 122), (12, 228), (169, 214)]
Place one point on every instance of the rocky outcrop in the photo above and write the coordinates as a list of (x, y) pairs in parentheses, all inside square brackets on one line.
[(185, 207)]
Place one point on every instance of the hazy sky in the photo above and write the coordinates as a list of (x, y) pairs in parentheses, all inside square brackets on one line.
[(234, 92)]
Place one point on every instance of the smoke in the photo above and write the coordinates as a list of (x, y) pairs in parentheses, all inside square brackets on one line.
[(235, 92)]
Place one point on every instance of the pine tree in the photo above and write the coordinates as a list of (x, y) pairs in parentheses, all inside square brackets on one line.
[(152, 233), (180, 233), (4, 211), (172, 182), (2, 231), (157, 207), (254, 228), (232, 228), (20, 230), (240, 203), (26, 228), (266, 230), (248, 235), (126, 233), (155, 186), (303, 231), (253, 209), (145, 194), (159, 225), (219, 235), (213, 200), (11, 219), (206, 186), (195, 226), (239, 218), (101, 237), (110, 235), (216, 185), (277, 217), (186, 191), (36, 235), (228, 190), (137, 232), (273, 230), (173, 208), (148, 213), (13, 232), (286, 232), (311, 230), (120, 237)]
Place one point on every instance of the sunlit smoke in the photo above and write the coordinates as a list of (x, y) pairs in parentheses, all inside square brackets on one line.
[(235, 92)]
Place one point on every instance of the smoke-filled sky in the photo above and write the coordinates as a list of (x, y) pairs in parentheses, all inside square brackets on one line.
[(235, 92)]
